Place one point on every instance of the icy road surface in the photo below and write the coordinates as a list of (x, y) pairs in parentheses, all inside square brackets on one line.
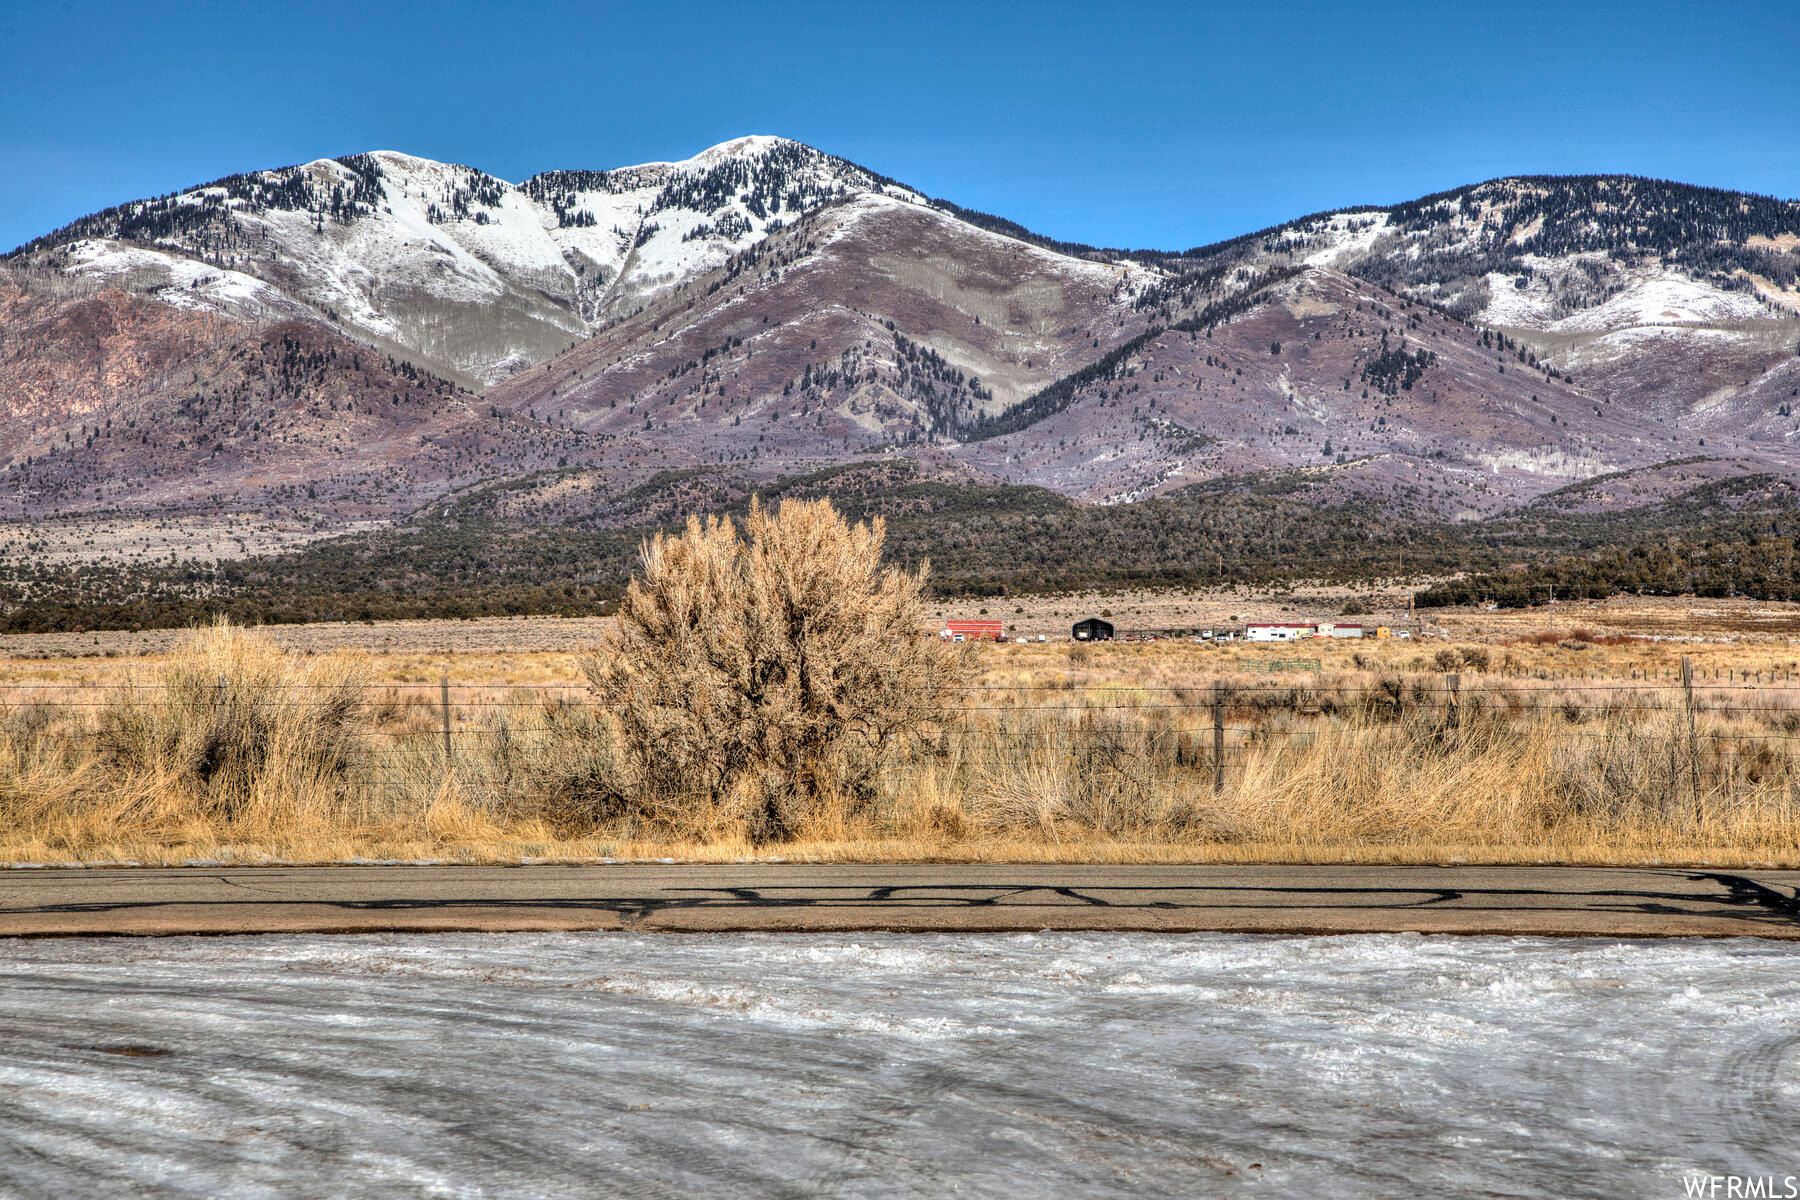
[(893, 1065)]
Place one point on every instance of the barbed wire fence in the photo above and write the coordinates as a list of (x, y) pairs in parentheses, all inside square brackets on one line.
[(425, 725)]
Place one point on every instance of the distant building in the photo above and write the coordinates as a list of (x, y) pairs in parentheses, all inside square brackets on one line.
[(1279, 631), (1092, 630), (973, 631), (1293, 631)]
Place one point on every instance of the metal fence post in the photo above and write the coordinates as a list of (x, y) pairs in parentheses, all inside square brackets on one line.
[(1687, 690), (1218, 707), (1453, 694), (444, 708)]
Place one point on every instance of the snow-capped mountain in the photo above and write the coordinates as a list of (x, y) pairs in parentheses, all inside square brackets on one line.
[(1541, 250), (1670, 297), (466, 274), (867, 323), (766, 307)]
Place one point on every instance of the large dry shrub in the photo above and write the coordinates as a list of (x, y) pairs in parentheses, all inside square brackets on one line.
[(238, 723), (771, 673)]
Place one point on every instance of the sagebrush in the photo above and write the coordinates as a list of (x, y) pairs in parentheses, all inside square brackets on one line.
[(773, 672)]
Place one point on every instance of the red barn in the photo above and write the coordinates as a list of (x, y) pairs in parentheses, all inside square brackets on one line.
[(973, 631)]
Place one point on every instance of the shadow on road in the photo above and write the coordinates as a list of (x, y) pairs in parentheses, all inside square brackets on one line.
[(1731, 896)]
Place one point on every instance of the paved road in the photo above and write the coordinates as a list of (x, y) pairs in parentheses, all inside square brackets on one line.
[(776, 897)]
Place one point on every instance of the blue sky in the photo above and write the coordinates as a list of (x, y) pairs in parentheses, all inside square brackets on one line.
[(1165, 125)]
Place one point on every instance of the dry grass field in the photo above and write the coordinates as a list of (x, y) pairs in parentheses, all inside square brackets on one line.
[(1722, 629), (1570, 742), (1717, 634)]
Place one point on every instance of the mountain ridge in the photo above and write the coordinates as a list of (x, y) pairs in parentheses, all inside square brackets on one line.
[(770, 307)]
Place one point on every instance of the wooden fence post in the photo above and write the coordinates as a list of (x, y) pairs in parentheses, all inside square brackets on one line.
[(444, 707), (1687, 691), (1453, 697), (1218, 707)]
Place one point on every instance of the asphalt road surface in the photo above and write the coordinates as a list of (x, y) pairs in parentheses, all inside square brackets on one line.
[(1601, 902)]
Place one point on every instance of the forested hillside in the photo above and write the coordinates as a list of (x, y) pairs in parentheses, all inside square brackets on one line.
[(1737, 537)]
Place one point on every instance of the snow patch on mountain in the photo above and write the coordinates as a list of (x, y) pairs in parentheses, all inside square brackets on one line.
[(1639, 341), (472, 273), (1519, 302), (1345, 237), (1557, 295), (1660, 298), (176, 280)]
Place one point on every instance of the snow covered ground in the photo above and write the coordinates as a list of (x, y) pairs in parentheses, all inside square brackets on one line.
[(894, 1065)]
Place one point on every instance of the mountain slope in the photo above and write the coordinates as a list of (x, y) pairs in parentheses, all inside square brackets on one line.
[(772, 310), (112, 402), (1679, 302), (1468, 248), (870, 321), (1326, 373), (465, 274)]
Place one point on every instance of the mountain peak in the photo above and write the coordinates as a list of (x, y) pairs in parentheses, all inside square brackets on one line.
[(745, 147), (764, 301), (467, 273)]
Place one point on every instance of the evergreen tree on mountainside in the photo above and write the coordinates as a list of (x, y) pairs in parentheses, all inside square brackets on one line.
[(287, 189), (1629, 219)]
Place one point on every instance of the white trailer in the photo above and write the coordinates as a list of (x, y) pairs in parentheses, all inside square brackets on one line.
[(1278, 631)]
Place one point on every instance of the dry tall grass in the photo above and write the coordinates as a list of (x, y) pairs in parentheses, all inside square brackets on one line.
[(236, 737), (1101, 753), (237, 729)]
